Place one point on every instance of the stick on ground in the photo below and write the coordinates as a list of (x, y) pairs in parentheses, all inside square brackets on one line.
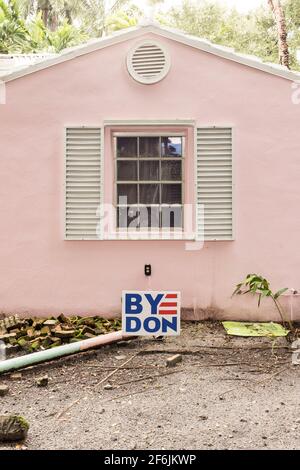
[(117, 369)]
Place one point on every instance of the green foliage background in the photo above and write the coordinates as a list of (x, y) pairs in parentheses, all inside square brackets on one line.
[(52, 25)]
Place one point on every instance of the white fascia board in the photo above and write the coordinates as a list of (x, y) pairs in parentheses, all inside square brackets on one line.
[(168, 33), (73, 52), (228, 53)]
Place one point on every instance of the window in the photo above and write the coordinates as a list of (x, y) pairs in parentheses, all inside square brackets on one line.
[(149, 181)]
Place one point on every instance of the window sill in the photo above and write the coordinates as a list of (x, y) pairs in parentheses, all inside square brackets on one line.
[(155, 235)]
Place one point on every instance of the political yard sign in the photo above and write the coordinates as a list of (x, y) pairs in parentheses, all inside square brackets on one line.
[(151, 313)]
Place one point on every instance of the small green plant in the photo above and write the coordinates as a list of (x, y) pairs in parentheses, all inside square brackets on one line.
[(256, 284)]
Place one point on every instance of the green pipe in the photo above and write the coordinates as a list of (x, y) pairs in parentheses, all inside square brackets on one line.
[(60, 351)]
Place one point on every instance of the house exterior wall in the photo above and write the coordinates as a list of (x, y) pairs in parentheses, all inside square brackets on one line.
[(41, 273)]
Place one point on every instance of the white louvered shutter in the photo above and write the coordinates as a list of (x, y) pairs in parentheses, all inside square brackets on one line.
[(214, 183), (83, 183)]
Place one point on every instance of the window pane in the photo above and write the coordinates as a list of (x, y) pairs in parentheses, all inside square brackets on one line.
[(171, 171), (171, 217), (149, 217), (127, 171), (149, 147), (127, 147), (171, 194), (128, 217), (171, 147), (149, 171), (127, 194), (149, 194)]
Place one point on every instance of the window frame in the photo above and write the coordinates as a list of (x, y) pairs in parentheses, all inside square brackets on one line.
[(160, 159)]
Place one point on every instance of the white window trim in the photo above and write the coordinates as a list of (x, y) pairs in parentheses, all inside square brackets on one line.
[(119, 123), (153, 233)]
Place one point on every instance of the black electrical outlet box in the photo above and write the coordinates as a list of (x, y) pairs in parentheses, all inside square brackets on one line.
[(148, 270)]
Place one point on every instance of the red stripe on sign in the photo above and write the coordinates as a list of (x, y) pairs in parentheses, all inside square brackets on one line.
[(168, 304), (171, 296), (167, 312)]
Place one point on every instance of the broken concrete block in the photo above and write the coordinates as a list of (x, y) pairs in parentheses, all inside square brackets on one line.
[(88, 336), (55, 342), (37, 334), (89, 321), (63, 319), (7, 336), (54, 338), (42, 381), (108, 387), (67, 327), (14, 326), (21, 332), (65, 334), (45, 331), (4, 389), (87, 330), (203, 417), (15, 330), (12, 341), (13, 428), (50, 323), (30, 332), (16, 376), (124, 344), (34, 345), (99, 331), (38, 323), (172, 361), (46, 342)]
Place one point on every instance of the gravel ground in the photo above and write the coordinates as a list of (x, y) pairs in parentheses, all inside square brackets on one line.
[(228, 393)]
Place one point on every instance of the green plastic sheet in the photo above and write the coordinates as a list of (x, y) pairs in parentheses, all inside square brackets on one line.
[(235, 328)]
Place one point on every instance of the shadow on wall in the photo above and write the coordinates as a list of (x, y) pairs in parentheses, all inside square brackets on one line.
[(246, 309)]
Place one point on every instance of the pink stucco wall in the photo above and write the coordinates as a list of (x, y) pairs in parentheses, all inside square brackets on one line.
[(41, 273)]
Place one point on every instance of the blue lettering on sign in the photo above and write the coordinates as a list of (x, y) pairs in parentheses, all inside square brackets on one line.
[(169, 324), (154, 321), (133, 303), (154, 302), (133, 324), (151, 324)]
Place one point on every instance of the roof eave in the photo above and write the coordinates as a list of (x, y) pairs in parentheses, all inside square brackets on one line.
[(168, 33), (76, 51)]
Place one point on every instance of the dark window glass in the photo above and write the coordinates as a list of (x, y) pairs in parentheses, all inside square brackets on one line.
[(127, 147), (127, 171), (142, 164), (149, 194), (171, 194), (149, 147), (171, 171), (149, 171)]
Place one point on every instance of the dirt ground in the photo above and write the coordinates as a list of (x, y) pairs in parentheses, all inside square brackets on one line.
[(228, 393)]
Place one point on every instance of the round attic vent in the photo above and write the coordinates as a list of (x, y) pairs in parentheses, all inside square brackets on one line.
[(148, 62)]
